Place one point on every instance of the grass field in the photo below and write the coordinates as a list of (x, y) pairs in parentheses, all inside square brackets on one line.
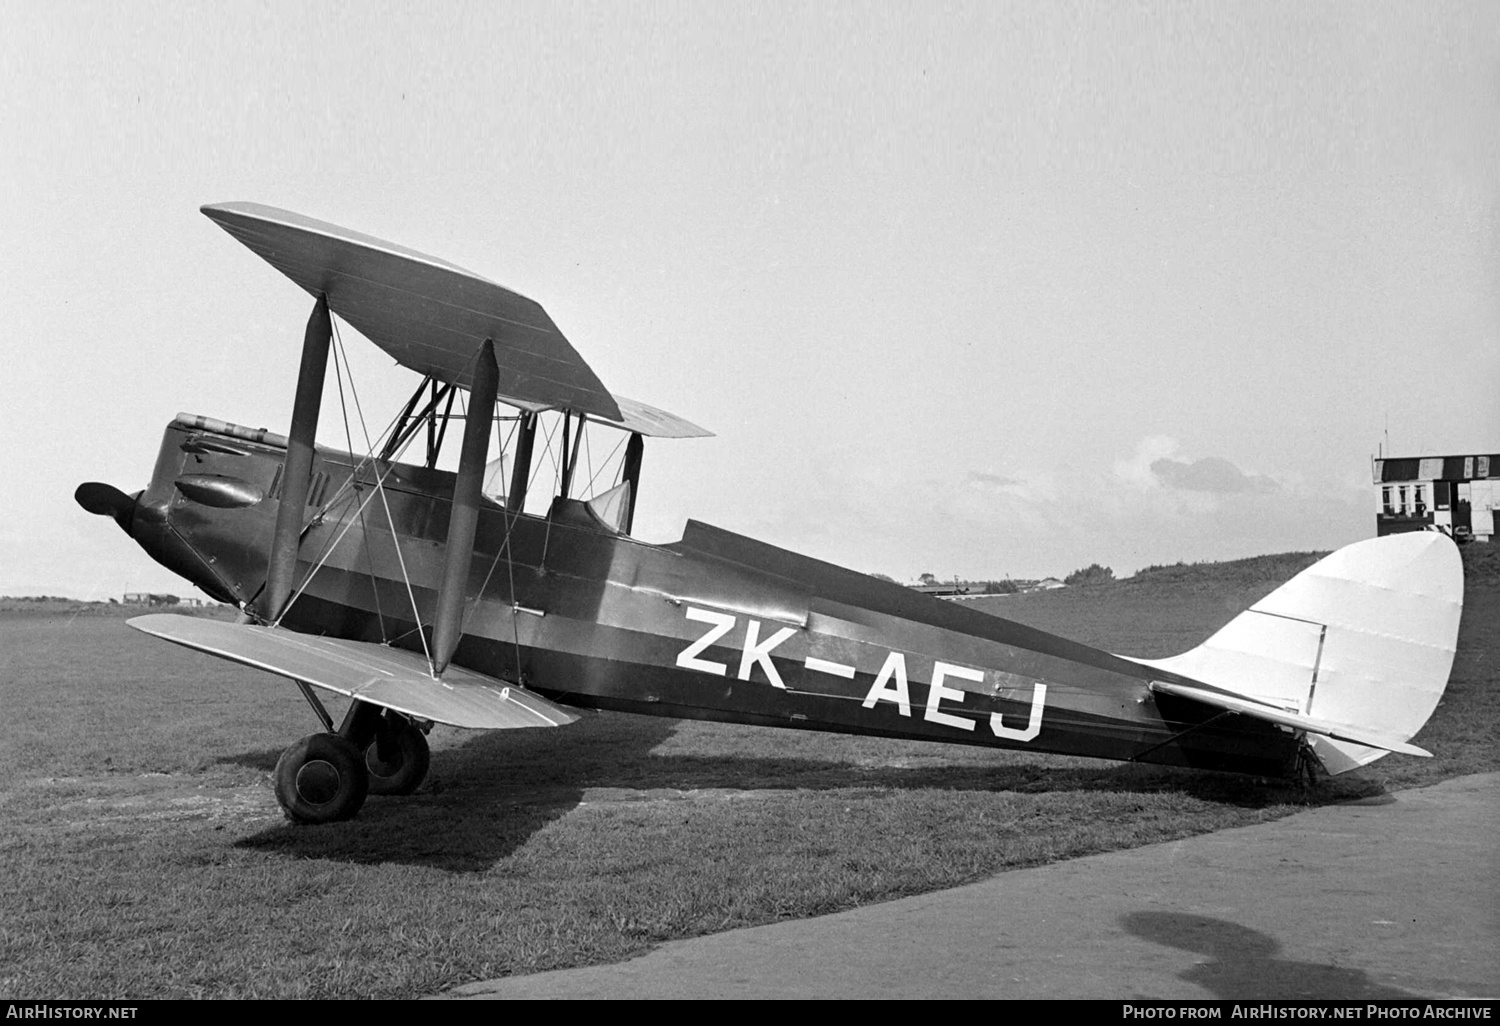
[(144, 854)]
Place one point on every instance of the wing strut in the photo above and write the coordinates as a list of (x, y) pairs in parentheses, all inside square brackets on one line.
[(410, 422), (520, 468), (282, 566), (631, 472), (465, 516)]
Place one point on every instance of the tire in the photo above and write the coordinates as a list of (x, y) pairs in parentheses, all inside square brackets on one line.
[(406, 773), (321, 779)]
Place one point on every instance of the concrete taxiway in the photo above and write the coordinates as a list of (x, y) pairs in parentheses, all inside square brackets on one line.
[(1388, 898)]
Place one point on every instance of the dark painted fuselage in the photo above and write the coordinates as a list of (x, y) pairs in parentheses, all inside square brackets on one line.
[(715, 626)]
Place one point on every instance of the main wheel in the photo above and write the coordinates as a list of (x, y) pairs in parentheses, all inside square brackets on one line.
[(321, 779), (407, 757)]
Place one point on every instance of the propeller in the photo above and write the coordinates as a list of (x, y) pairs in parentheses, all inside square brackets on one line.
[(107, 501)]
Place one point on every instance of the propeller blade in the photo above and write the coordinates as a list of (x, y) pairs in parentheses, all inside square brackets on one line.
[(107, 501)]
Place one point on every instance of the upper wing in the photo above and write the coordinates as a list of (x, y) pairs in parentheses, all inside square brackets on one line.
[(634, 416), (378, 674), (428, 314)]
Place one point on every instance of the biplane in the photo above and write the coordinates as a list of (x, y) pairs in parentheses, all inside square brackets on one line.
[(480, 600)]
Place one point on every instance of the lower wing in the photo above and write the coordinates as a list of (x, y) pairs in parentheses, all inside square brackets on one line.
[(390, 677)]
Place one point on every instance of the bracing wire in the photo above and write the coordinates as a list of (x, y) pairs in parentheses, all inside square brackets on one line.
[(341, 355), (379, 489), (346, 524), (510, 518), (548, 432), (348, 485), (588, 459), (503, 548), (606, 464)]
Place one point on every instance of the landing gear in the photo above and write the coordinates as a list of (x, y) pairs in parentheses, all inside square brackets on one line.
[(398, 757), (324, 778), (1308, 771), (321, 779)]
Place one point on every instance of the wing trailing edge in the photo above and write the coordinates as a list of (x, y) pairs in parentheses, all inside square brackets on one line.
[(390, 677)]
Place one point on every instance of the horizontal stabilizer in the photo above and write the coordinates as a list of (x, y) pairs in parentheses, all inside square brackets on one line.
[(1287, 718), (1355, 650), (390, 677)]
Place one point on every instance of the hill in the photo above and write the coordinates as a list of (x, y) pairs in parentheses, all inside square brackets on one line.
[(1254, 570), (1164, 610), (57, 605)]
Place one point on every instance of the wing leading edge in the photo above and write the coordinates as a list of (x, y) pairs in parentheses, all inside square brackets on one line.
[(390, 677)]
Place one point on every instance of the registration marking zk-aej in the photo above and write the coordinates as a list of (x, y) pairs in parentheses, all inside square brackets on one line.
[(891, 684)]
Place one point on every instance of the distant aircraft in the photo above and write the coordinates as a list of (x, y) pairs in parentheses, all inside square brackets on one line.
[(426, 599)]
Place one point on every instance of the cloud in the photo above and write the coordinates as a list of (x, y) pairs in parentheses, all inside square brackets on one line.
[(1148, 502), (1157, 464), (1136, 469), (1212, 474)]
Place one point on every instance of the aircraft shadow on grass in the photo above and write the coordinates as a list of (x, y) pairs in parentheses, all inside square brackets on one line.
[(487, 797)]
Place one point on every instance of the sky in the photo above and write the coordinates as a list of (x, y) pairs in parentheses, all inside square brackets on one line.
[(986, 290)]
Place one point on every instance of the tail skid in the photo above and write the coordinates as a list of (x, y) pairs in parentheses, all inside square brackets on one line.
[(1355, 650)]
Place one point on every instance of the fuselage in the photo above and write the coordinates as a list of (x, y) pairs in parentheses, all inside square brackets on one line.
[(715, 626)]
